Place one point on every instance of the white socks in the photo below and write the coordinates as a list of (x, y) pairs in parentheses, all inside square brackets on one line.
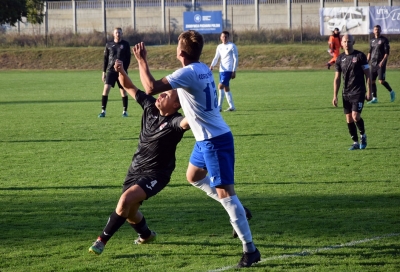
[(237, 216), (221, 98), (230, 100), (204, 185)]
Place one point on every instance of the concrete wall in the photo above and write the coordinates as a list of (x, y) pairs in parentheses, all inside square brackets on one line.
[(272, 15)]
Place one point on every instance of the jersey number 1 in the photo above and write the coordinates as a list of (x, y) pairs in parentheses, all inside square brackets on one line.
[(210, 94)]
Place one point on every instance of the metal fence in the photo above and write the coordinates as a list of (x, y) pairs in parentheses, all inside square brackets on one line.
[(159, 15)]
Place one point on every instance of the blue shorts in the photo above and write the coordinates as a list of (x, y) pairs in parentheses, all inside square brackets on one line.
[(217, 156), (224, 78)]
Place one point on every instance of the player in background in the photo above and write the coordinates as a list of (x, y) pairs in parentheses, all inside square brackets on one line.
[(228, 53), (116, 49), (378, 54), (334, 43), (211, 164), (152, 164), (354, 66)]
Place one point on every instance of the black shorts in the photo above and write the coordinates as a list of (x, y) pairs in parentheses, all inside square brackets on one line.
[(378, 72), (111, 78), (151, 183), (353, 103)]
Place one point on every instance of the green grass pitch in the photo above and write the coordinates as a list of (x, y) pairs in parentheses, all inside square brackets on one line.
[(316, 206)]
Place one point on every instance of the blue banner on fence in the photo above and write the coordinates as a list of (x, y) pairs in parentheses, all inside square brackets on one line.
[(387, 17), (205, 22)]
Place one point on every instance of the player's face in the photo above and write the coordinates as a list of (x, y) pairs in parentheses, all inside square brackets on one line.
[(377, 31), (347, 43), (117, 35), (224, 38), (167, 101)]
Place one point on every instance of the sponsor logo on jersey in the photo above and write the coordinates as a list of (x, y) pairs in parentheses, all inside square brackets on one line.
[(354, 59), (163, 125)]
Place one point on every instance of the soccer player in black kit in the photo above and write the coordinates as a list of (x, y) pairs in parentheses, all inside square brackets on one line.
[(378, 54), (116, 49), (354, 66), (152, 164)]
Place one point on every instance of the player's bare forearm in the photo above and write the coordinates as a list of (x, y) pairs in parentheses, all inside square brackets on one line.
[(369, 84), (336, 86), (184, 124), (124, 79)]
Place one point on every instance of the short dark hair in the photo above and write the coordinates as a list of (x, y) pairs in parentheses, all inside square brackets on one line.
[(336, 29), (378, 26), (225, 32)]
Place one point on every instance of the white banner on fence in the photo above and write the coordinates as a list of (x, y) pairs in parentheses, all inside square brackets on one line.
[(350, 20)]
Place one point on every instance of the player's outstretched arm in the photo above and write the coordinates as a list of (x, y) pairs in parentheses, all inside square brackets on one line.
[(150, 85), (184, 124), (124, 79)]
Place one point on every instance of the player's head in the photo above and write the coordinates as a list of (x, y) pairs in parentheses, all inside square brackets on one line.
[(377, 30), (336, 31), (224, 36), (190, 45), (348, 42), (168, 102), (117, 33)]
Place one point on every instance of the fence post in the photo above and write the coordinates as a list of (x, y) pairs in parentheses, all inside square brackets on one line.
[(133, 11), (103, 10), (301, 23), (163, 16), (74, 17), (46, 21), (257, 14), (225, 12), (289, 13)]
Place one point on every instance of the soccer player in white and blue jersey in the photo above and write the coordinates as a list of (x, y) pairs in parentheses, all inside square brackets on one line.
[(228, 53), (211, 165)]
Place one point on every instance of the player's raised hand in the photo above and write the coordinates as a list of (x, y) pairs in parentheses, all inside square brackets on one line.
[(118, 65), (140, 52)]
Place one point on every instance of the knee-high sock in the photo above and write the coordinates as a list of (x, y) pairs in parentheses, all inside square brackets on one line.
[(387, 86), (360, 126), (374, 90), (125, 103), (204, 185), (104, 100), (353, 131), (114, 223), (229, 98), (237, 216), (142, 229), (221, 97)]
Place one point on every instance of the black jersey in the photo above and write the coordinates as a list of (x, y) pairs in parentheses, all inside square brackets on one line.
[(352, 68), (378, 47), (113, 51), (158, 139)]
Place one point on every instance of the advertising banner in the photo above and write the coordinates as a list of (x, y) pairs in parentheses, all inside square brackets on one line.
[(387, 17), (349, 20), (205, 22), (359, 20)]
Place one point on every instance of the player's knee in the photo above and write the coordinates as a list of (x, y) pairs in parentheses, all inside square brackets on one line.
[(381, 81)]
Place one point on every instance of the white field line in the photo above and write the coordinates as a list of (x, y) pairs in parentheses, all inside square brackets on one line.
[(310, 252)]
